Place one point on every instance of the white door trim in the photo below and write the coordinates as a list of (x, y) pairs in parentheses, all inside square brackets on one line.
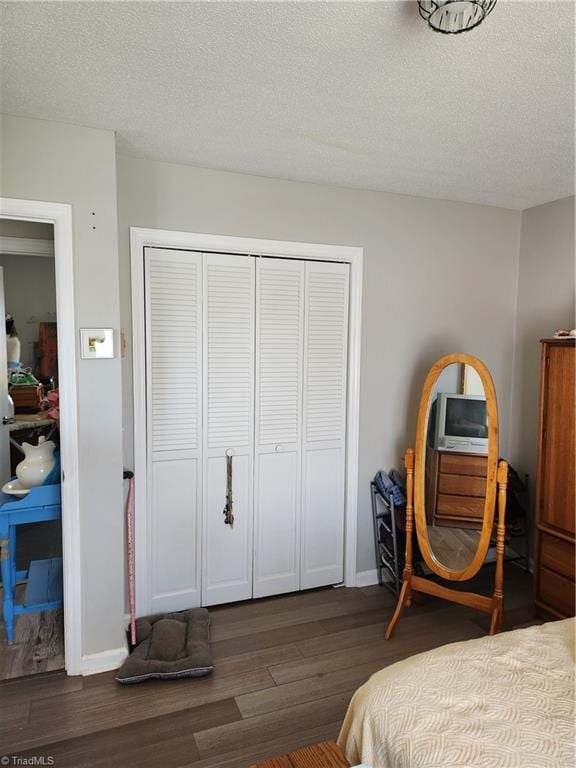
[(60, 216), (161, 238)]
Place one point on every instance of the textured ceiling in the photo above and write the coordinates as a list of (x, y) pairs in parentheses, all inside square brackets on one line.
[(352, 94)]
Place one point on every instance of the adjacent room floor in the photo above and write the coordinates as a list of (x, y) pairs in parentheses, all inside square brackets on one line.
[(285, 669), (38, 643)]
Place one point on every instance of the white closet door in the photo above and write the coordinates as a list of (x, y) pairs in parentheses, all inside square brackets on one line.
[(324, 455), (169, 577), (229, 425), (279, 348)]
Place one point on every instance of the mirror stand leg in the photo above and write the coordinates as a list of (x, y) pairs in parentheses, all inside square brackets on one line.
[(403, 601), (496, 621), (408, 600), (405, 598), (498, 597)]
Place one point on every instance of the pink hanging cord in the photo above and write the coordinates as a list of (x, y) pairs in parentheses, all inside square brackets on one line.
[(131, 570)]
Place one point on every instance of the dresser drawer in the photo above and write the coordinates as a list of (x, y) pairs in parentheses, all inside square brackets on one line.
[(556, 591), (462, 485), (557, 555), (460, 506), (463, 464)]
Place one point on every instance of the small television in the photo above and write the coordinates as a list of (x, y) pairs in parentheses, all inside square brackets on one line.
[(461, 423)]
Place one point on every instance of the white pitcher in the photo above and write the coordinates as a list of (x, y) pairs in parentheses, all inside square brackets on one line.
[(37, 462)]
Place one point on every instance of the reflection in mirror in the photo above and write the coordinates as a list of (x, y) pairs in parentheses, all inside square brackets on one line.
[(471, 383), (456, 465)]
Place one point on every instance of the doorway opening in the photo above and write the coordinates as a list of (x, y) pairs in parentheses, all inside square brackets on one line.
[(32, 626), (59, 216)]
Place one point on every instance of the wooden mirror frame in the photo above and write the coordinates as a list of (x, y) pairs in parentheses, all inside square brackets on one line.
[(420, 469), (497, 478)]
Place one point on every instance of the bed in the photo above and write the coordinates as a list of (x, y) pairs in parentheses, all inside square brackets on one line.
[(503, 701)]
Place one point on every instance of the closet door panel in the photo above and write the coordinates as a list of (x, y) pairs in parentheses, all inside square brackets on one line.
[(228, 551), (324, 439), (277, 556), (279, 349), (323, 517), (245, 357), (174, 535), (169, 572), (229, 425)]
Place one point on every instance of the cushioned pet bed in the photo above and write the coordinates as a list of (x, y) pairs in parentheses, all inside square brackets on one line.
[(169, 645), (497, 702)]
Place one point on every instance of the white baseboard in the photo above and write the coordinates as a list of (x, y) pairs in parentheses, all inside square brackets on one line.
[(367, 578), (104, 661)]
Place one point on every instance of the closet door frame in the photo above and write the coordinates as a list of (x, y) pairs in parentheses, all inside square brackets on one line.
[(140, 238)]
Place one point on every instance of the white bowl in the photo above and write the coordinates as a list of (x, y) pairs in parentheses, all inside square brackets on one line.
[(15, 488)]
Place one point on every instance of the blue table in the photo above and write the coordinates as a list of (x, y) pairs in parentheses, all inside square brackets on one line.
[(44, 588)]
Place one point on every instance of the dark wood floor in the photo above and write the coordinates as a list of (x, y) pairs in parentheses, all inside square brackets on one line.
[(285, 669)]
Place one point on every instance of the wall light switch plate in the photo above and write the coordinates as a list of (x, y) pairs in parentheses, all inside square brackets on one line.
[(96, 343)]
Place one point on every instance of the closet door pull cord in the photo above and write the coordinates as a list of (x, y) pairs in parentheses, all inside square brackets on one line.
[(228, 508)]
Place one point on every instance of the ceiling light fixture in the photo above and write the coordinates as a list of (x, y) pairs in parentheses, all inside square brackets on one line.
[(454, 16)]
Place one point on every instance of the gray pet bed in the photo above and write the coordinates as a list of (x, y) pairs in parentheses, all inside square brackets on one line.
[(169, 645)]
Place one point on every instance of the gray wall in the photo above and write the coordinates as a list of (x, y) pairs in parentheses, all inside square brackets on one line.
[(34, 230), (29, 284), (546, 301), (48, 161), (439, 277), (30, 295)]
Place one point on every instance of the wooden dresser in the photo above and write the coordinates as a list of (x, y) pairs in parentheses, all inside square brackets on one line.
[(555, 499), (455, 488)]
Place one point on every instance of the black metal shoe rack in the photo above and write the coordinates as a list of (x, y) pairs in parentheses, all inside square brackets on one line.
[(386, 541)]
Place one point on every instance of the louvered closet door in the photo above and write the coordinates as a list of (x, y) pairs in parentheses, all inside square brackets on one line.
[(229, 425), (279, 348), (324, 438), (171, 571)]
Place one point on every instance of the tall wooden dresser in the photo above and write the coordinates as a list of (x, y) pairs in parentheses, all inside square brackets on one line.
[(555, 499)]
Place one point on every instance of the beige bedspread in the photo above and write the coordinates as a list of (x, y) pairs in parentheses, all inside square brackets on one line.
[(495, 702)]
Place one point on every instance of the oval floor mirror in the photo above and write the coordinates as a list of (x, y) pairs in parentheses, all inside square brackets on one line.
[(453, 483)]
